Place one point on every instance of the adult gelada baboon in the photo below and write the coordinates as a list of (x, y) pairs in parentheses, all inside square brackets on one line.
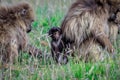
[(15, 23), (86, 24), (92, 49)]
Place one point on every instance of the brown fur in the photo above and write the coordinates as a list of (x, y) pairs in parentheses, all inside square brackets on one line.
[(87, 23), (92, 50), (15, 22), (114, 27), (113, 32)]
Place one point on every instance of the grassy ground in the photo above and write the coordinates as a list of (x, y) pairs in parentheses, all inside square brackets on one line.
[(50, 14)]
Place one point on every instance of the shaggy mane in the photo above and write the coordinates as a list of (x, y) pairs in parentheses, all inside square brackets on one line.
[(11, 13)]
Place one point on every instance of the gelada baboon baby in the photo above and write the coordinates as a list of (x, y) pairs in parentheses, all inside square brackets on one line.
[(15, 22), (87, 22), (57, 45)]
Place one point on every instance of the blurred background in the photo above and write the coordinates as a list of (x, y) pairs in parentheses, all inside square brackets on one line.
[(51, 4)]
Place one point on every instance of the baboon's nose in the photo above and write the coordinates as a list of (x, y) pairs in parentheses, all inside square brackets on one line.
[(29, 30)]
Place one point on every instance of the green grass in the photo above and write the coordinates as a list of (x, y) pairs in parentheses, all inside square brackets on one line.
[(32, 69), (46, 69)]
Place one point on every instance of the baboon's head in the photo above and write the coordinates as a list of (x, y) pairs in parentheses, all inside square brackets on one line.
[(23, 15), (55, 33)]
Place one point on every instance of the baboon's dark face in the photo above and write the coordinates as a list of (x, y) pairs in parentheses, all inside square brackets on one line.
[(30, 20), (55, 33), (27, 15), (28, 24)]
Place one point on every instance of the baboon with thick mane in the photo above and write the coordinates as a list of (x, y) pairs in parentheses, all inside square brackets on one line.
[(86, 24), (15, 23)]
